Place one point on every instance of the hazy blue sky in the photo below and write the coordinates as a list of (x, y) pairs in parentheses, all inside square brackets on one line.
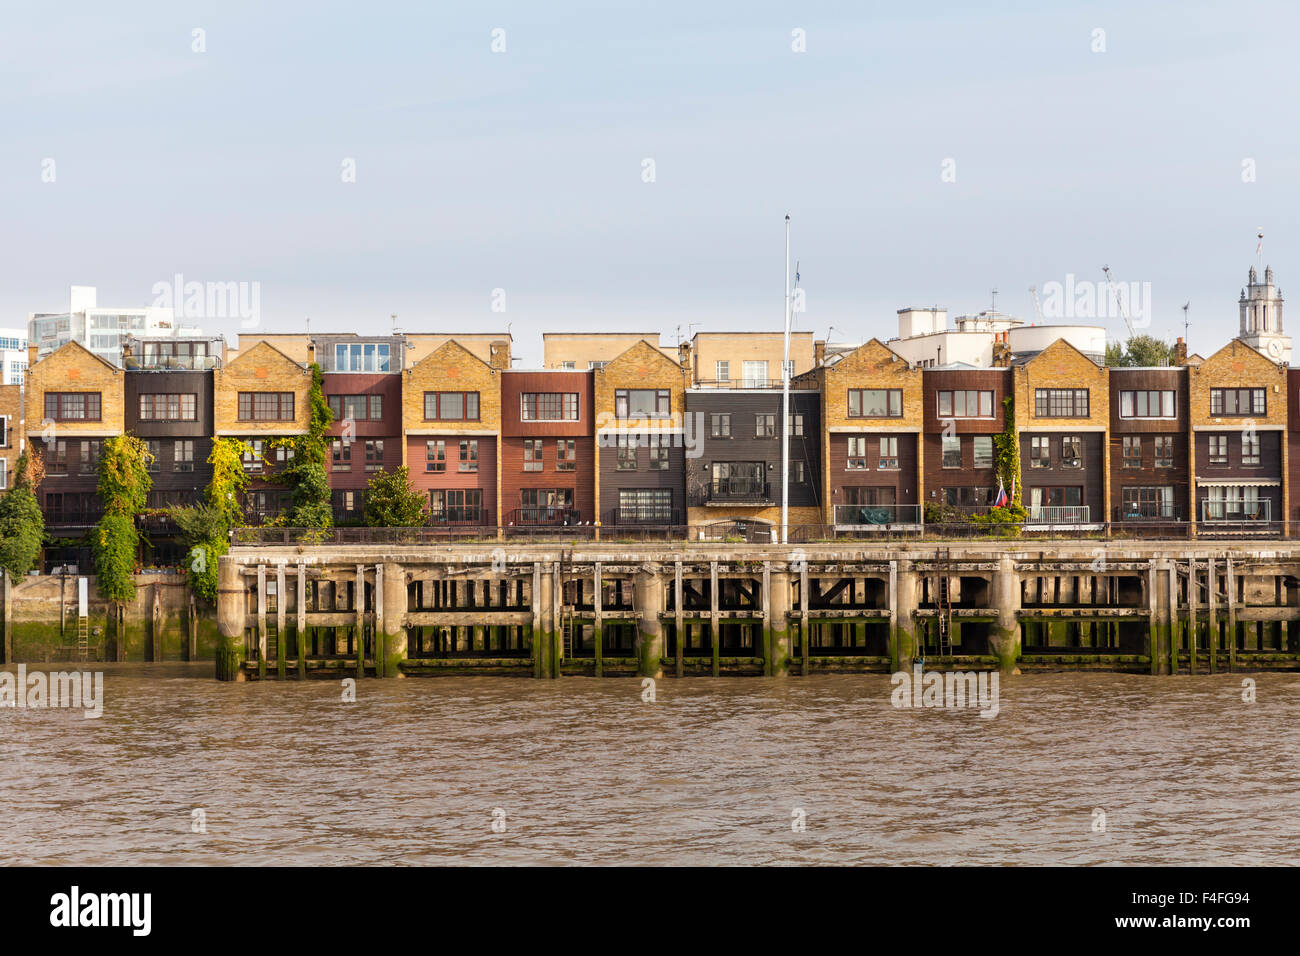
[(522, 170)]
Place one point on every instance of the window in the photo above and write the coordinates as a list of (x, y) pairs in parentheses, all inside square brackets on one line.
[(183, 455), (596, 365), (719, 425), (875, 403), (627, 445), (1249, 448), (451, 406), (357, 407), (545, 504), (253, 456), (983, 451), (753, 374), (569, 366), (549, 406), (951, 451), (797, 474), (266, 406), (1147, 404), (965, 404), (4, 473), (1237, 401), (857, 457), (72, 406), (346, 500), (1061, 402), (659, 452), (456, 505), (155, 454), (1040, 452), (1218, 449), (739, 479), (533, 454), (764, 426), (90, 456), (56, 457), (645, 506), (795, 425), (283, 452), (1071, 451), (641, 403), (566, 454), (435, 455), (374, 454), (1164, 445), (168, 408), (361, 357), (1055, 498), (1155, 502), (469, 454), (969, 496), (1132, 451), (888, 454), (722, 371)]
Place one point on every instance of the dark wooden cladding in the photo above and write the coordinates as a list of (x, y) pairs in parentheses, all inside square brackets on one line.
[(1148, 475), (515, 384), (744, 445), (1270, 458), (1090, 476), (903, 480), (938, 478), (169, 382), (485, 479), (612, 479), (1293, 448), (1149, 379), (581, 480), (388, 386), (996, 380)]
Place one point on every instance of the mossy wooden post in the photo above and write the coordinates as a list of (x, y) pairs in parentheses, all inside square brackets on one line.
[(1153, 638), (281, 599), (360, 609), (779, 606), (1232, 618), (232, 613), (395, 598), (381, 636), (1212, 581), (1006, 637), (714, 619), (648, 596), (557, 620), (767, 619), (537, 633), (1193, 625), (1171, 568), (597, 629), (805, 624), (679, 618), (192, 630), (261, 622), (6, 606), (300, 632)]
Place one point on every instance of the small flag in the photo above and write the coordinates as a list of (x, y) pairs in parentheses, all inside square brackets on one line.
[(1001, 500), (796, 275)]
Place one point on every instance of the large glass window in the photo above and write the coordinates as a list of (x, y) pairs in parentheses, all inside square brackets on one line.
[(875, 403), (1150, 403), (451, 406), (1061, 402), (549, 406), (965, 404), (641, 403), (1237, 401)]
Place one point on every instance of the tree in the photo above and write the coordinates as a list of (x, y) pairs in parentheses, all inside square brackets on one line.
[(22, 525), (205, 532), (391, 502), (1141, 351)]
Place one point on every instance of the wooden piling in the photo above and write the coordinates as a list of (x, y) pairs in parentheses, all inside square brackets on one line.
[(597, 630), (679, 617), (261, 621), (300, 632), (281, 599), (714, 618), (1232, 618)]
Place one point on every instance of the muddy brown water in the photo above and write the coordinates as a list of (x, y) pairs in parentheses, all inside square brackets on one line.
[(713, 772)]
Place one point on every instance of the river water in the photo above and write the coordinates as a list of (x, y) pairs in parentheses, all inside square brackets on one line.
[(714, 771)]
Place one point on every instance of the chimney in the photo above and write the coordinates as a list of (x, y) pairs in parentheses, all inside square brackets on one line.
[(1001, 351), (819, 353), (684, 353), (311, 353), (1180, 352), (500, 354), (32, 352)]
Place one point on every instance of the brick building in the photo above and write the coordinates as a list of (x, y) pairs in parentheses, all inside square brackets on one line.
[(547, 448), (964, 408)]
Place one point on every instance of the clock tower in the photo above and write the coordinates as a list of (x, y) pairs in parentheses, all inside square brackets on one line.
[(1261, 317)]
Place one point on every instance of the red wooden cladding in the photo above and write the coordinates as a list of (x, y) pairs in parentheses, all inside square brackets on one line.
[(515, 384)]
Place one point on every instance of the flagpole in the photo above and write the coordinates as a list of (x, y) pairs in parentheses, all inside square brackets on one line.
[(785, 401)]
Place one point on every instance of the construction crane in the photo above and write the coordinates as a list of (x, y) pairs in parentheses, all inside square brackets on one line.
[(1110, 280), (1038, 306)]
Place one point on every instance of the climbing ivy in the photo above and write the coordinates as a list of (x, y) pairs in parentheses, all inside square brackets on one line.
[(124, 485), (229, 479), (1007, 457), (304, 473), (22, 526)]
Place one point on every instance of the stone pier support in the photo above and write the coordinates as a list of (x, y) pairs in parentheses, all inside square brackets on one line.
[(544, 662), (1004, 637), (394, 626), (231, 603), (648, 598), (779, 603), (904, 591)]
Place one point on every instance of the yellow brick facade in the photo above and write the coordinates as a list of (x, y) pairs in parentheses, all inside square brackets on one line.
[(1237, 365), (73, 368), (873, 365), (262, 368), (1061, 365), (11, 444)]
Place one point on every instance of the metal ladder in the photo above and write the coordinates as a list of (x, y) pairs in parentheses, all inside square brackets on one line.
[(943, 601), (83, 639)]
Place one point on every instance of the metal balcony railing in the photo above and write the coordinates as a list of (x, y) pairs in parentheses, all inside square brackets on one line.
[(1147, 511), (877, 514), (544, 515), (641, 517), (739, 489), (1060, 514), (174, 363), (1260, 510)]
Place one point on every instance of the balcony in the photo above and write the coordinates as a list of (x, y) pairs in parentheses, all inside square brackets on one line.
[(722, 383), (649, 517), (734, 491), (550, 516), (1060, 514), (862, 516), (1236, 511), (171, 363), (1146, 511)]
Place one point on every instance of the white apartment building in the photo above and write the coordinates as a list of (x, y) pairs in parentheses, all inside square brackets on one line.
[(13, 355), (925, 339), (99, 328)]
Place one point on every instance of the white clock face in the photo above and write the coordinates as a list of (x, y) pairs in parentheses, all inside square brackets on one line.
[(1275, 347)]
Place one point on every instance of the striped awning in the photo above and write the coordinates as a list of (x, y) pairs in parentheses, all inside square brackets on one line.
[(1239, 483)]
